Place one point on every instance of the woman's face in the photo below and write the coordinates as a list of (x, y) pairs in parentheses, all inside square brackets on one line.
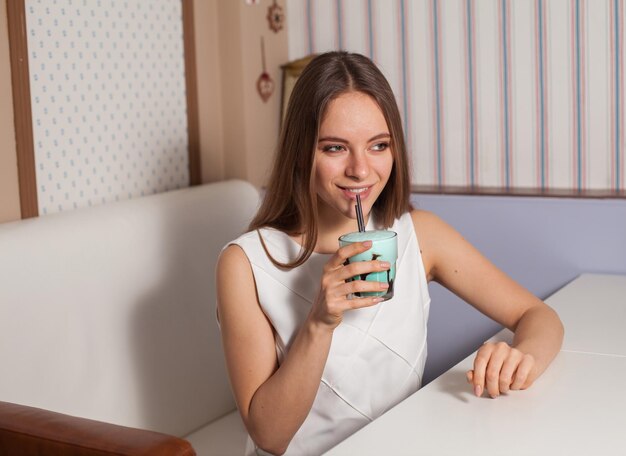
[(353, 155)]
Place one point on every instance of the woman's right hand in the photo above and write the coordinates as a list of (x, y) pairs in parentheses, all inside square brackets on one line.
[(332, 300)]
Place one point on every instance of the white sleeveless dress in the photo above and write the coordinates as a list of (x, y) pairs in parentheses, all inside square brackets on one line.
[(377, 354)]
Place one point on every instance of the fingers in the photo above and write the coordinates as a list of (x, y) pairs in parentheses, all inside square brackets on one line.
[(494, 368), (345, 252), (336, 284), (499, 368), (359, 268), (339, 280), (508, 370), (480, 367), (368, 301), (338, 270), (360, 286), (522, 380)]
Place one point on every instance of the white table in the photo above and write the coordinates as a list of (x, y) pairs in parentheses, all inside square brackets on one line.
[(577, 407)]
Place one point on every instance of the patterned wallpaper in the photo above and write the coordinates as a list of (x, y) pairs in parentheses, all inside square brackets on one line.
[(107, 81), (494, 93)]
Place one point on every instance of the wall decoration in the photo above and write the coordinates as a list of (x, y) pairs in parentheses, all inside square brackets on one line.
[(264, 84), (108, 100), (502, 94), (275, 17)]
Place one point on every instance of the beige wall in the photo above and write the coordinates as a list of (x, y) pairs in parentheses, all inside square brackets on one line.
[(262, 119), (250, 125), (9, 191), (238, 132)]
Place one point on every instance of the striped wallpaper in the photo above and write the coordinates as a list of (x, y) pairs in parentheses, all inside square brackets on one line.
[(524, 94)]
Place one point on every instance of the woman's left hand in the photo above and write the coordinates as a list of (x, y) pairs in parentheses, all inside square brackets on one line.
[(498, 368)]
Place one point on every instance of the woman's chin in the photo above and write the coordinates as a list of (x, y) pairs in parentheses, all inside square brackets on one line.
[(341, 209)]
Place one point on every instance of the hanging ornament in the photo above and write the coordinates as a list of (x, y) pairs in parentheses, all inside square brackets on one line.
[(265, 84), (275, 17)]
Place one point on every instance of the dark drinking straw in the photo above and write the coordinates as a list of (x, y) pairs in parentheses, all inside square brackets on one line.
[(359, 214)]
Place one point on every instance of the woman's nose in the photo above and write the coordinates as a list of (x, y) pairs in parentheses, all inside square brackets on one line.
[(358, 166)]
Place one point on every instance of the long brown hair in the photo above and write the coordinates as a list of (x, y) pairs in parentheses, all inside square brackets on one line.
[(290, 203)]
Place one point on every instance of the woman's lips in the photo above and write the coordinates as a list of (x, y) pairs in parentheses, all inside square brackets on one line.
[(352, 195)]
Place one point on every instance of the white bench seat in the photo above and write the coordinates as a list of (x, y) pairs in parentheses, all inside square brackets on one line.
[(223, 437), (108, 313)]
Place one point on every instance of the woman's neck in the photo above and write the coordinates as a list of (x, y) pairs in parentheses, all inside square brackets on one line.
[(328, 235), (331, 226)]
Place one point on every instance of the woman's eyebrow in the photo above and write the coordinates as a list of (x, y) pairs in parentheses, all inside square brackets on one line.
[(345, 141), (333, 139), (380, 136)]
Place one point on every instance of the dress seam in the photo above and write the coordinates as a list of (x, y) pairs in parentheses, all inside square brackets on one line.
[(412, 366), (345, 400), (259, 268)]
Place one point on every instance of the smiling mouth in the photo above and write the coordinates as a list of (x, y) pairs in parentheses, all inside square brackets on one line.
[(355, 190), (352, 192)]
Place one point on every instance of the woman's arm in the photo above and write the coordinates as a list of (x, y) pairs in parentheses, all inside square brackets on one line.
[(454, 263), (274, 401)]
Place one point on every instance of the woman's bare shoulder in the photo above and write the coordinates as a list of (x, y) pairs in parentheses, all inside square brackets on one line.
[(429, 227), (235, 279), (233, 256), (433, 235), (421, 216)]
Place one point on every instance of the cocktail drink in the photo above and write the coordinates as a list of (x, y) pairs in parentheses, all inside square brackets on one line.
[(384, 248)]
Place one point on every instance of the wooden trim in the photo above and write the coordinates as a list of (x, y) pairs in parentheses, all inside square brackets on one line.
[(498, 191), (20, 80), (191, 80)]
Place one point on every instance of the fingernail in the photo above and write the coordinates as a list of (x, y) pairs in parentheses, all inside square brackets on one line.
[(367, 243), (379, 299), (384, 285), (478, 390), (385, 264)]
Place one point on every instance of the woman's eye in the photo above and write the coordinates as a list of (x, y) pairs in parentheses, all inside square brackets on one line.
[(333, 148), (380, 146)]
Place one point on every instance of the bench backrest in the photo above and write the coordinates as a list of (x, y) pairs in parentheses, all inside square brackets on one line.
[(109, 312)]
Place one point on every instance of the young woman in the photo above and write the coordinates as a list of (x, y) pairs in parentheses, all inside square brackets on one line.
[(309, 366)]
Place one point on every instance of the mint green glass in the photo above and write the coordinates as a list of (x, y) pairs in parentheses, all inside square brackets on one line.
[(384, 248)]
